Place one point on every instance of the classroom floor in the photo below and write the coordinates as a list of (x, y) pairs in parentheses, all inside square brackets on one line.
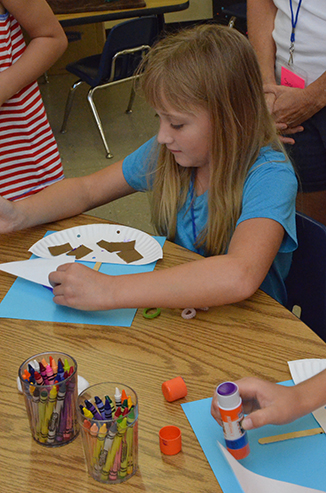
[(81, 148)]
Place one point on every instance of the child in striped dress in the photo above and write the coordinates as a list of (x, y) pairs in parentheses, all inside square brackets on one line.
[(29, 157)]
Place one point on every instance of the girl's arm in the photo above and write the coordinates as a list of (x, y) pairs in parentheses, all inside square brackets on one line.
[(66, 198), (48, 42), (211, 281), (269, 403)]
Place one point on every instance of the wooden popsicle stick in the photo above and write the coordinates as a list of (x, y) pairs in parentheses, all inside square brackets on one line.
[(97, 266), (288, 436)]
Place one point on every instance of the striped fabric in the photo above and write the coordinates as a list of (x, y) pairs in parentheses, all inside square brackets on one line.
[(29, 157)]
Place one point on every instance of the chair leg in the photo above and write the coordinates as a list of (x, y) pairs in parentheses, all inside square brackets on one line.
[(98, 121), (131, 99), (232, 21), (69, 105)]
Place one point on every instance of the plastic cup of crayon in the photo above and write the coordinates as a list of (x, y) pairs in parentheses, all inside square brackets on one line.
[(49, 385), (108, 419)]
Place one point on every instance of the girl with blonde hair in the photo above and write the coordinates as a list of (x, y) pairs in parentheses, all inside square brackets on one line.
[(220, 182)]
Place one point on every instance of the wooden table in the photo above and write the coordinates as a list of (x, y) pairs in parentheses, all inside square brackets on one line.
[(153, 7), (255, 337)]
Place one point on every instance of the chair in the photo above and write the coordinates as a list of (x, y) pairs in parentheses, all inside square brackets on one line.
[(306, 282), (123, 50)]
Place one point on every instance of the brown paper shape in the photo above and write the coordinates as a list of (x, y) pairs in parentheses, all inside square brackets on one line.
[(112, 246), (80, 252), (130, 255), (59, 249)]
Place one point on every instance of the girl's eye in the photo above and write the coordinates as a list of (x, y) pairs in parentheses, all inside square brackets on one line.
[(176, 127)]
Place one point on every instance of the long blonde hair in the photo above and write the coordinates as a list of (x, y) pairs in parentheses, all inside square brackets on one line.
[(211, 67)]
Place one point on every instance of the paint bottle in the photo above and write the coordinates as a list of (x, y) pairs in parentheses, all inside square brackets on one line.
[(230, 405)]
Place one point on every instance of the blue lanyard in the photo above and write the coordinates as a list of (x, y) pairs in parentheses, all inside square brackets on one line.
[(294, 20), (192, 210)]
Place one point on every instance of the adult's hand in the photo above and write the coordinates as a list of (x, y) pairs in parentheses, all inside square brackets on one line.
[(292, 105)]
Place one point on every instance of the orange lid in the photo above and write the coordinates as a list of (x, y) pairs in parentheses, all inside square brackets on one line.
[(170, 440), (174, 389)]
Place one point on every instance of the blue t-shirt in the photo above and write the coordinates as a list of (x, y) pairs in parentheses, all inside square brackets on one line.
[(269, 191)]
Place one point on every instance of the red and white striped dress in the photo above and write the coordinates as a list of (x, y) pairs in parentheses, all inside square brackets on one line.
[(29, 156)]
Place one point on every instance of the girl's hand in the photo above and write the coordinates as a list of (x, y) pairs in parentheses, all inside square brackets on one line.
[(264, 402), (80, 287)]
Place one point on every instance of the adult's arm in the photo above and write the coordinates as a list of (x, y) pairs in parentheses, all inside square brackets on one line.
[(260, 20)]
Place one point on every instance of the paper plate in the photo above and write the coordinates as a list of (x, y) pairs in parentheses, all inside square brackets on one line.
[(302, 369), (90, 234)]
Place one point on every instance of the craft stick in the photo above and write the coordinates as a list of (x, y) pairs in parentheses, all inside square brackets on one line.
[(288, 436), (97, 266)]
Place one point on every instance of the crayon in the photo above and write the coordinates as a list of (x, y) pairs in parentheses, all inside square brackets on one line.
[(108, 443), (117, 413), (31, 369), (60, 371), (130, 440), (113, 475), (107, 409), (53, 365), (117, 397), (43, 373), (41, 412), (59, 406), (49, 374), (100, 406), (69, 409), (93, 410), (35, 402), (122, 472), (113, 408), (123, 395), (48, 413), (52, 428), (99, 443), (38, 378), (87, 413), (114, 449), (66, 366)]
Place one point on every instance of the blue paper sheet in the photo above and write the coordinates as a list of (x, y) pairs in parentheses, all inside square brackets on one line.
[(299, 461), (27, 300)]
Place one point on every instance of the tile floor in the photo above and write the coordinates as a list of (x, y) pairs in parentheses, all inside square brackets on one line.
[(81, 148)]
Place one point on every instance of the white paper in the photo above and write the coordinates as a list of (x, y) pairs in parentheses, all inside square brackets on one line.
[(301, 370), (251, 482), (36, 270)]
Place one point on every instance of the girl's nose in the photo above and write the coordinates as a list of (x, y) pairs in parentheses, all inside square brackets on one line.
[(164, 136)]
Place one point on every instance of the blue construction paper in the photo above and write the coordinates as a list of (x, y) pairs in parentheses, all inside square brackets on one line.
[(299, 461), (27, 300)]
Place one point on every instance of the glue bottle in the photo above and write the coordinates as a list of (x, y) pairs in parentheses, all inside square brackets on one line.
[(230, 405)]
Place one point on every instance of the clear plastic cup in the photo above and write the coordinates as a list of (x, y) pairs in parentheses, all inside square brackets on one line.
[(110, 441), (51, 405)]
